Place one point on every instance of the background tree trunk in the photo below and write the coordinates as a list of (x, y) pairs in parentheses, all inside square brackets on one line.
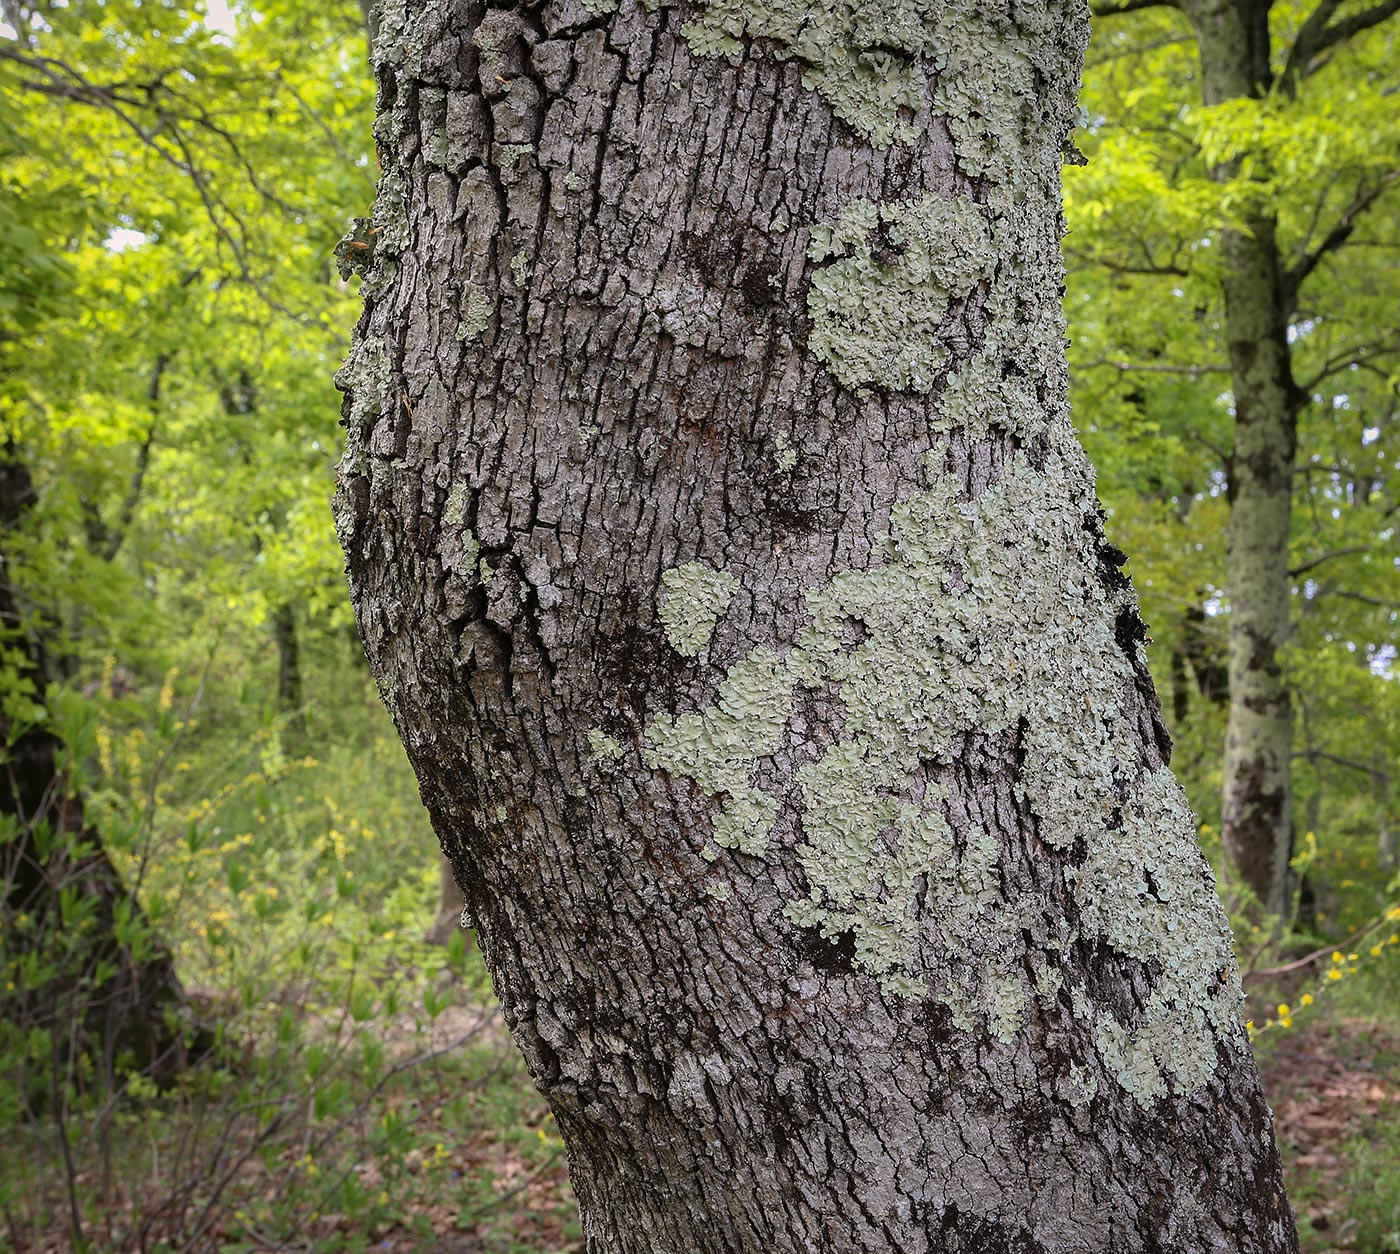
[(726, 557), (107, 987), (291, 704), (1257, 802), (447, 921)]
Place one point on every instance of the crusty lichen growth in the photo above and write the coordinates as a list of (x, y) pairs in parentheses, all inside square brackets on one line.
[(694, 598), (366, 376), (602, 747), (787, 455), (1001, 76), (476, 315), (878, 309), (981, 617), (861, 55), (871, 61)]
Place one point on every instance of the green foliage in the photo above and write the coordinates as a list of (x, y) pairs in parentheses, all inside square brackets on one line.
[(1166, 175), (171, 192)]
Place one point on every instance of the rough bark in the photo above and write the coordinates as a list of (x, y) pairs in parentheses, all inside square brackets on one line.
[(1256, 814), (723, 550)]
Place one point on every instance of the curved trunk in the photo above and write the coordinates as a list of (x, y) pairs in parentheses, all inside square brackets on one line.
[(724, 552)]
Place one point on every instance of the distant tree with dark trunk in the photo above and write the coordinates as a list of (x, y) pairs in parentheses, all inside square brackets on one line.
[(723, 549), (83, 966)]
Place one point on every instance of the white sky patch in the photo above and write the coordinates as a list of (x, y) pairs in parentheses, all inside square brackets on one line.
[(219, 18), (124, 237)]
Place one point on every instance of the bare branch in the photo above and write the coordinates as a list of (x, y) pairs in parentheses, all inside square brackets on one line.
[(1154, 367), (1339, 234), (1320, 32), (1314, 562), (1356, 355)]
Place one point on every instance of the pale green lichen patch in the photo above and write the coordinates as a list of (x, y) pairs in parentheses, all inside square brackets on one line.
[(872, 60), (719, 748), (508, 154), (454, 509), (694, 598), (365, 375), (1146, 893), (862, 56), (787, 455), (436, 149), (879, 303), (983, 617), (602, 747), (476, 315)]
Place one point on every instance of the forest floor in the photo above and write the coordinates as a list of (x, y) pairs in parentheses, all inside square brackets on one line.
[(1335, 1090), (490, 1177)]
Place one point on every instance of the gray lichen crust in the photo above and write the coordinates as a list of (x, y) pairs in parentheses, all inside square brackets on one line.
[(879, 321), (974, 623), (694, 598), (873, 61)]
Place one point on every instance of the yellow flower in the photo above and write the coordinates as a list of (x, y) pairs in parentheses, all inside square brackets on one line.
[(1307, 999), (1334, 974), (1375, 951), (1336, 957), (1285, 1022), (1284, 1010)]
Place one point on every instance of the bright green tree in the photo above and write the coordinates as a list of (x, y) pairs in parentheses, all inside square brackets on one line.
[(1233, 245)]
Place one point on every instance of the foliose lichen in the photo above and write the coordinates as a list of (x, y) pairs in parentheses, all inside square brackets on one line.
[(787, 455), (509, 154), (872, 61), (476, 315), (879, 302), (366, 376), (862, 56), (979, 617), (602, 747), (694, 598)]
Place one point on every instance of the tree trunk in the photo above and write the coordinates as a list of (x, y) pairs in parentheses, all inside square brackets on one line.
[(447, 922), (1257, 826), (1256, 813), (291, 705), (724, 552), (95, 978)]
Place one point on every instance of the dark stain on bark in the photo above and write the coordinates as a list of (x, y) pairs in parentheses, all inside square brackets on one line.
[(836, 955)]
